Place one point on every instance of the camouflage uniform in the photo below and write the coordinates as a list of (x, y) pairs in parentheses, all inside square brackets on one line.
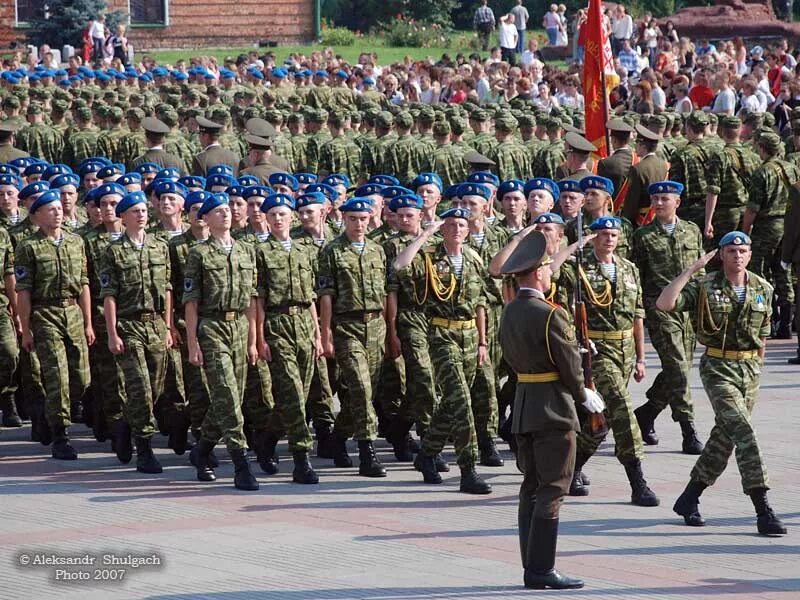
[(41, 141), (405, 158), (448, 162), (340, 155), (688, 166), (9, 351), (623, 249), (549, 159)]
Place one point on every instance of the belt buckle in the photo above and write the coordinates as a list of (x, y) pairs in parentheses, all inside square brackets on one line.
[(147, 317), (64, 303), (740, 354), (293, 310), (229, 316)]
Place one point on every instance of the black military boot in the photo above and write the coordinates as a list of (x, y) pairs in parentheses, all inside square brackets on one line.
[(577, 487), (326, 442), (199, 457), (266, 444), (397, 435), (641, 495), (44, 433), (540, 572), (303, 471), (76, 411), (146, 461), (413, 444), (341, 458), (784, 329), (691, 444), (441, 464), (427, 466), (11, 417), (471, 482), (524, 527), (122, 441), (490, 457), (368, 463), (62, 449), (688, 504), (179, 433), (646, 417), (243, 478), (100, 427), (768, 522)]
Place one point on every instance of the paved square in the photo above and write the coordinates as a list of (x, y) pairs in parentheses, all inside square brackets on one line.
[(395, 538)]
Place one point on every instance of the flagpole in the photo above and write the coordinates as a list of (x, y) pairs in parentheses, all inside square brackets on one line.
[(606, 110)]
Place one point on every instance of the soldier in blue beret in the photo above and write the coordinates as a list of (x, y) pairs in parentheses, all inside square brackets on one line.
[(597, 203), (542, 195), (218, 182), (490, 181), (304, 180), (132, 182), (169, 198), (570, 199), (384, 180), (284, 183), (34, 171), (193, 183), (68, 185), (10, 215), (248, 180), (511, 194)]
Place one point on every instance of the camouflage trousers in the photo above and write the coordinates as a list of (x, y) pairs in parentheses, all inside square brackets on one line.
[(291, 342), (359, 352), (171, 404), (674, 339), (484, 389), (319, 405), (731, 387), (725, 220), (767, 236), (412, 329), (611, 371), (258, 402), (195, 384), (143, 366), (454, 357), (391, 389), (58, 334), (30, 388), (224, 347), (107, 386), (9, 358)]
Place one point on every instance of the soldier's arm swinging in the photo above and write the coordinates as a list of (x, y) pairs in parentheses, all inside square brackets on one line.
[(252, 348), (325, 314), (24, 312), (392, 341), (317, 334), (85, 302), (10, 285), (711, 206), (480, 322), (115, 344), (747, 220), (264, 350), (168, 341), (638, 340), (190, 312)]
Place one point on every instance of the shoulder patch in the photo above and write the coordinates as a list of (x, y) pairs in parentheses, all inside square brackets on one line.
[(188, 284), (105, 280), (323, 281), (21, 272)]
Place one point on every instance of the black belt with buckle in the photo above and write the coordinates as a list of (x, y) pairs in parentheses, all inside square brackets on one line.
[(56, 303), (358, 316), (230, 315), (289, 309)]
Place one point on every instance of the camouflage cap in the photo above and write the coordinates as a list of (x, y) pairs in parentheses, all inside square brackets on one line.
[(337, 118), (727, 122), (426, 116), (384, 120), (479, 115), (220, 114), (697, 119), (770, 141), (135, 114), (35, 108), (753, 118), (318, 116), (441, 128), (295, 117), (60, 106), (11, 102), (83, 113), (116, 114), (274, 116), (459, 125), (404, 120), (505, 122)]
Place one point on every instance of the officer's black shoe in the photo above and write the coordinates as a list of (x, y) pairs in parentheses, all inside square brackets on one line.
[(122, 441), (199, 457), (368, 463), (688, 504), (646, 418), (100, 426), (266, 444), (303, 471), (76, 412), (641, 495), (11, 417), (146, 461), (768, 522), (577, 487), (540, 570), (179, 434), (441, 464), (783, 331), (61, 448), (243, 478), (427, 466), (326, 442), (341, 458), (490, 457), (213, 461), (553, 580), (691, 444), (471, 482)]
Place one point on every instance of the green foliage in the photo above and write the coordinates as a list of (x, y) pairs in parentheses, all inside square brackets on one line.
[(337, 36), (65, 21), (363, 15), (409, 33)]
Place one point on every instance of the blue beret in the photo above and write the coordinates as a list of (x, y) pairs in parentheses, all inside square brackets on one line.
[(9, 168), (456, 213), (335, 179), (451, 192), (220, 170), (22, 162), (107, 189), (130, 200), (665, 187), (370, 189), (211, 203), (549, 218), (130, 179), (61, 73), (53, 170), (256, 190), (426, 179), (180, 76), (342, 74), (384, 180), (570, 185), (46, 198), (368, 81), (232, 190), (735, 238), (356, 205), (248, 180), (103, 77), (192, 198), (65, 83), (34, 78), (167, 186), (275, 200), (64, 180), (306, 178), (607, 222), (209, 77), (36, 168), (227, 74), (147, 167), (37, 187), (330, 193), (484, 177), (193, 181), (169, 173), (10, 179), (595, 182), (310, 198), (160, 72), (393, 191), (284, 179), (405, 201), (510, 185), (474, 189), (146, 77), (108, 171), (321, 73), (257, 74), (542, 183)]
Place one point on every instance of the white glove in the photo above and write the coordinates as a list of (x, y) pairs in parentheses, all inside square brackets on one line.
[(593, 348), (785, 266), (594, 401)]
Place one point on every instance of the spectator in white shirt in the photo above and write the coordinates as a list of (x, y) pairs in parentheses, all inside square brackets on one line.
[(507, 36), (621, 28), (570, 97), (725, 102), (750, 102), (521, 17), (97, 29)]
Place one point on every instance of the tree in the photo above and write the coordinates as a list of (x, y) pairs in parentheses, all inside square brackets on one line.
[(61, 22)]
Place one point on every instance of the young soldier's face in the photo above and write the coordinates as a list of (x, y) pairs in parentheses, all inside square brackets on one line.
[(280, 219), (539, 202), (50, 216), (595, 200), (219, 219), (665, 205), (355, 224), (513, 203), (476, 205), (407, 220), (553, 234), (312, 216), (9, 199), (69, 198), (455, 230), (254, 214), (238, 208), (135, 218), (170, 204), (430, 194), (570, 203), (108, 207)]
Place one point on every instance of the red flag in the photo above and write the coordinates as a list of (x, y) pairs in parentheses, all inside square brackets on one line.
[(598, 61)]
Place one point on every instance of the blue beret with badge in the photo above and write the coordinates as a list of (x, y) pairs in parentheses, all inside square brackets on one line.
[(196, 197), (549, 218), (384, 180), (167, 186), (474, 189), (9, 168), (665, 187), (284, 179), (253, 191), (310, 198), (451, 192), (247, 180), (276, 200), (406, 201), (55, 170), (129, 201), (427, 179), (10, 179), (570, 185), (37, 168), (455, 213), (330, 193), (735, 238), (66, 179), (335, 179), (37, 187), (542, 183), (147, 168), (220, 180), (193, 181), (393, 191), (510, 185), (484, 177), (356, 205), (46, 198), (132, 178), (607, 222), (306, 178), (22, 162), (596, 182), (211, 203), (220, 170), (169, 173), (111, 170), (106, 190), (232, 190), (371, 189)]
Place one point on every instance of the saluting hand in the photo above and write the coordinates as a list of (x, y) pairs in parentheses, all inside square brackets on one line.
[(701, 262)]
